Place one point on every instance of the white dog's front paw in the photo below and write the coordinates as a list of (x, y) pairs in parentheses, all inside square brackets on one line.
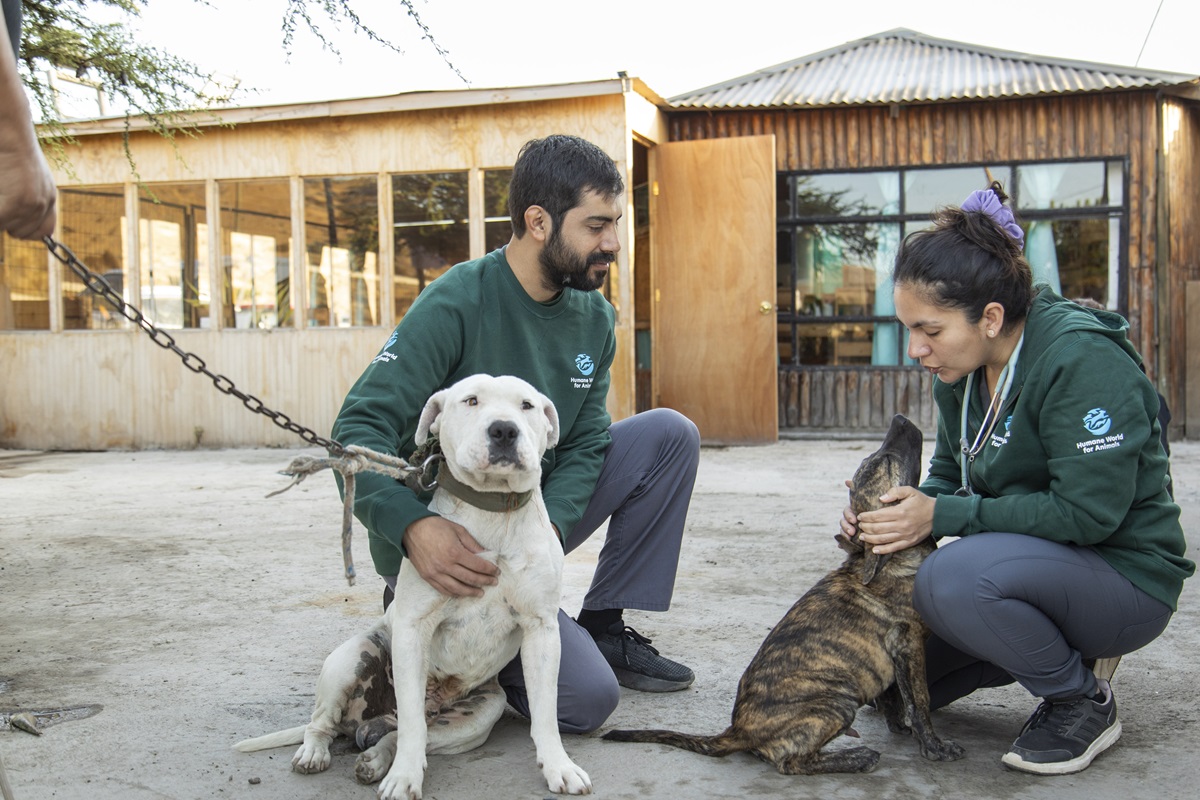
[(400, 786), (313, 756), (567, 778)]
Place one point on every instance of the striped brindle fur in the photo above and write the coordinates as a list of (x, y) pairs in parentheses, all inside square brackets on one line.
[(854, 638)]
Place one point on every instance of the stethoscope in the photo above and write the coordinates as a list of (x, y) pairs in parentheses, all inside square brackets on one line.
[(1003, 384)]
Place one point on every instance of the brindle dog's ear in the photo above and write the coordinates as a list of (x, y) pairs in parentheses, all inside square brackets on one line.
[(873, 564), (848, 544)]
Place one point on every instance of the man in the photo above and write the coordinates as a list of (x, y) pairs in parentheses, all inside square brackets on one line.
[(27, 192), (531, 309)]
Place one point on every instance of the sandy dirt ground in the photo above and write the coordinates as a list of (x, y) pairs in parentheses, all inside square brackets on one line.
[(166, 587)]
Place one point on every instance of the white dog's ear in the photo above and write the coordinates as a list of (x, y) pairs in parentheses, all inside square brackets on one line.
[(552, 418), (430, 415)]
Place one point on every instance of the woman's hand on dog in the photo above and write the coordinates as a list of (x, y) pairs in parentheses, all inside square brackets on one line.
[(445, 556), (904, 523)]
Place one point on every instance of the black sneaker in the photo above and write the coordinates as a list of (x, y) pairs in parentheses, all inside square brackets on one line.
[(638, 665), (1064, 736)]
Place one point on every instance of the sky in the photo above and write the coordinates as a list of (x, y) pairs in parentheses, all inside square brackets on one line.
[(673, 46)]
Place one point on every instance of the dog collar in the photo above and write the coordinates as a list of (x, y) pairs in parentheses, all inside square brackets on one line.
[(487, 501)]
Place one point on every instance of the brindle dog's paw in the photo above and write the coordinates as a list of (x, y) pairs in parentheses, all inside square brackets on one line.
[(942, 750)]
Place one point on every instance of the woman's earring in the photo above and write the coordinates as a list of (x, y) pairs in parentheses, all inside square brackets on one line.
[(991, 333)]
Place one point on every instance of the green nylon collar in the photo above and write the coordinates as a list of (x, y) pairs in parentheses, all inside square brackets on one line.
[(488, 501)]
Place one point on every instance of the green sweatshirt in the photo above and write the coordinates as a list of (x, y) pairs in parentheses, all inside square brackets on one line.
[(1076, 456), (477, 318)]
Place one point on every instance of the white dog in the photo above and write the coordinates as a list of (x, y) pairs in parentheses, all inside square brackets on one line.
[(445, 652)]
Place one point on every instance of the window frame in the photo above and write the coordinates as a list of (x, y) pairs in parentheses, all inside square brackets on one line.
[(791, 224)]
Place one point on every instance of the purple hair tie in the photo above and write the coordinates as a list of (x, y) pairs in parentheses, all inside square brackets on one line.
[(985, 200)]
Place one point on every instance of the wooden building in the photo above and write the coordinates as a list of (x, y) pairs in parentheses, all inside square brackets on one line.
[(752, 288)]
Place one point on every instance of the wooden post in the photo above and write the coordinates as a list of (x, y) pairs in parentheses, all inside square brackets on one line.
[(1191, 367)]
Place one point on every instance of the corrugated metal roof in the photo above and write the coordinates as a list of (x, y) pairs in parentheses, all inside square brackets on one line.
[(904, 66)]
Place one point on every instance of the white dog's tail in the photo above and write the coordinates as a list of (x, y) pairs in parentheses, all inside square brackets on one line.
[(277, 739)]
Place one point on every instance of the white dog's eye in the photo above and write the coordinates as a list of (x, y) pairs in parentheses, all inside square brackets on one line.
[(471, 401), (526, 405)]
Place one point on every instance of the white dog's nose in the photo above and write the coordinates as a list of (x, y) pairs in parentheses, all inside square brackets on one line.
[(502, 434)]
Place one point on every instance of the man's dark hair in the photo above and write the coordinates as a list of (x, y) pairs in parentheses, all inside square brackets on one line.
[(554, 173)]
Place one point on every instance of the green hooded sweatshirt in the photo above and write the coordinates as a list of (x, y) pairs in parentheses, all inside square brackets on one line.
[(478, 319), (1076, 456)]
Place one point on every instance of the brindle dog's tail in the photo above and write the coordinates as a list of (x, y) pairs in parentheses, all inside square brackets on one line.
[(731, 741)]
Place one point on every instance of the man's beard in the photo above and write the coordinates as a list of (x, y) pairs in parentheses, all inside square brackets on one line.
[(564, 268)]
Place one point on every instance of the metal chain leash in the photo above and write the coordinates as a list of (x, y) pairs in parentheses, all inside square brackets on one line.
[(100, 286), (346, 460)]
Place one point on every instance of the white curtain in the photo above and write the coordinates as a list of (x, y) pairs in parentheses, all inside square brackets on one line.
[(886, 343), (1039, 188)]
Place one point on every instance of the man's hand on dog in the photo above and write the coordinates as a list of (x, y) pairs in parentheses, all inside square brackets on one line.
[(445, 556), (893, 527)]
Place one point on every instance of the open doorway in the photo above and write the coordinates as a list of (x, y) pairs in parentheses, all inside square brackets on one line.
[(642, 290)]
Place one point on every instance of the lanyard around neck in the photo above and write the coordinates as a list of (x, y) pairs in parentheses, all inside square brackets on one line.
[(1003, 384)]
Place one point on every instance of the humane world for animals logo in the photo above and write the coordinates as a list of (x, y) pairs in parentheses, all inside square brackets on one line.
[(586, 366), (384, 355), (1097, 422)]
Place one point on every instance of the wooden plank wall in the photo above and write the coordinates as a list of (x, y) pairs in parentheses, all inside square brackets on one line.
[(854, 398), (1191, 405), (1121, 124), (110, 389), (1181, 148), (118, 390)]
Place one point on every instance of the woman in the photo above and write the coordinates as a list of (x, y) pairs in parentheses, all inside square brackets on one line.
[(1049, 467)]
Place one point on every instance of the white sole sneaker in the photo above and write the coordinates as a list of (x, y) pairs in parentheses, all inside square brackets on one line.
[(1077, 764)]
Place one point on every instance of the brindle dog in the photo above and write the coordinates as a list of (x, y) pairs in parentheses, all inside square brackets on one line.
[(852, 639)]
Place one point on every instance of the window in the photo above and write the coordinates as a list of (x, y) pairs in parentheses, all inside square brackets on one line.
[(24, 285), (430, 218), (92, 220), (256, 243), (1071, 241), (173, 242), (497, 222), (341, 240), (838, 234)]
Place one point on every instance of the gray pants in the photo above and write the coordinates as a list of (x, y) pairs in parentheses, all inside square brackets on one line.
[(644, 490), (1007, 607)]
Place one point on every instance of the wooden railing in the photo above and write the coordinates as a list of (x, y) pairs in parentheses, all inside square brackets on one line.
[(853, 398)]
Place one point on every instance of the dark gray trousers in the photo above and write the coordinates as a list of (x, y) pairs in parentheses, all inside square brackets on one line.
[(644, 490), (1007, 607)]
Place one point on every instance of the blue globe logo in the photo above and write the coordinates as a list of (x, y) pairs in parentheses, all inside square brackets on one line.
[(585, 364), (1097, 421)]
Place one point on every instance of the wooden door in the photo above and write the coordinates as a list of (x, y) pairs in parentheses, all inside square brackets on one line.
[(712, 242)]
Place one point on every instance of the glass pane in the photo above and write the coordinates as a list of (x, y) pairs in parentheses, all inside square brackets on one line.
[(1081, 248), (847, 194), (835, 268), (256, 243), (431, 230), (840, 270), (93, 226), (1079, 185), (497, 224), (24, 285), (926, 190), (173, 238), (341, 240), (783, 196)]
